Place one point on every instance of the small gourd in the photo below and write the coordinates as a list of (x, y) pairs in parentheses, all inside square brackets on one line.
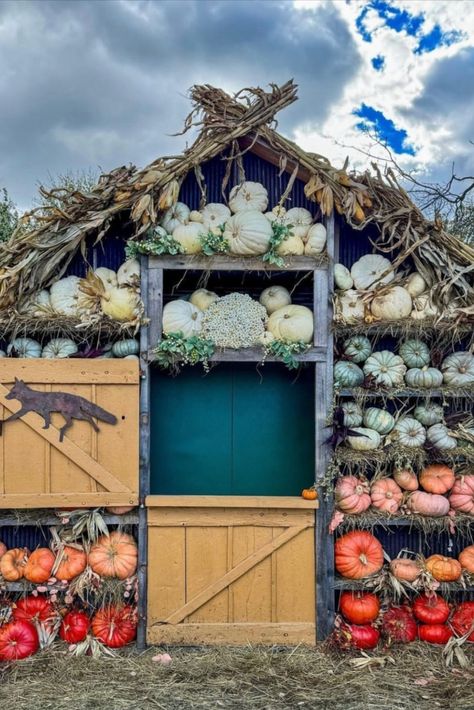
[(368, 270), (248, 197), (440, 437), (128, 273), (358, 348), (368, 440), (349, 307), (415, 284), (107, 276), (378, 419), (292, 323), (347, 374), (202, 298), (274, 297), (299, 220), (410, 432), (385, 368), (175, 216), (425, 377), (414, 353), (123, 348), (59, 348), (352, 414), (214, 216), (458, 369), (181, 317), (315, 240), (393, 305), (342, 277), (429, 414), (291, 246), (188, 235), (24, 347), (248, 233)]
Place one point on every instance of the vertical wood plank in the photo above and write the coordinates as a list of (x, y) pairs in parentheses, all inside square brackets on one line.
[(251, 595), (295, 579), (206, 562), (155, 306), (166, 579)]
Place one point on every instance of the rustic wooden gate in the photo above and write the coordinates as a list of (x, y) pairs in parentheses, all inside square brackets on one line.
[(87, 468), (231, 570)]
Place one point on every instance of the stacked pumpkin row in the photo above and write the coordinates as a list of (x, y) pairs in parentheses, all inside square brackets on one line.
[(113, 555), (358, 555), (34, 622), (66, 347), (237, 320), (429, 618), (354, 495), (365, 293), (245, 227)]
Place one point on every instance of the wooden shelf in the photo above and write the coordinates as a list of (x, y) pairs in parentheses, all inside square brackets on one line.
[(356, 585), (48, 520), (204, 501), (229, 263), (257, 355), (394, 393)]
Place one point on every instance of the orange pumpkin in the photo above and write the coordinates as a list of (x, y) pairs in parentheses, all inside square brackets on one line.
[(119, 509), (386, 495), (443, 569), (406, 479), (358, 554), (39, 566), (437, 478), (72, 562), (466, 558), (3, 549), (114, 555), (12, 564), (405, 570), (309, 493)]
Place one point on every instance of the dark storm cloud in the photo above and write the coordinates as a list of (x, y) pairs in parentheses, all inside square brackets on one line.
[(101, 83)]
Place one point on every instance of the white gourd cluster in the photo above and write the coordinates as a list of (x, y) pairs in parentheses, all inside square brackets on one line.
[(234, 321)]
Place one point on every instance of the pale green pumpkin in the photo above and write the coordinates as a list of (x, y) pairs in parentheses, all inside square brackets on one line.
[(369, 440), (440, 437), (347, 374), (429, 414), (378, 419), (352, 414), (357, 348), (415, 353), (122, 348), (24, 347), (425, 377), (458, 369), (410, 432), (385, 368)]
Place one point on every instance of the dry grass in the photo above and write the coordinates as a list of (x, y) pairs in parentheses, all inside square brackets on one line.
[(260, 679)]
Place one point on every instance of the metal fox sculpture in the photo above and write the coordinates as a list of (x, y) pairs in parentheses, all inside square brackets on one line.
[(71, 406)]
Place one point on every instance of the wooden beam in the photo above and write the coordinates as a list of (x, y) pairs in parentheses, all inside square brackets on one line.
[(236, 634), (230, 263), (70, 371), (67, 500), (205, 501)]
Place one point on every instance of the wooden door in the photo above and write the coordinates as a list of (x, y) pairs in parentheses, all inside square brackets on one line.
[(231, 570)]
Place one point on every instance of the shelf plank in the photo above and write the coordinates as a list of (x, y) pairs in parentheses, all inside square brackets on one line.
[(257, 355), (11, 521), (393, 393), (229, 263)]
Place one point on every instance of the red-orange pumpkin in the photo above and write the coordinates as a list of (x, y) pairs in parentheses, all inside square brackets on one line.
[(443, 569), (72, 563), (405, 570), (431, 609), (462, 495), (359, 607), (18, 639), (428, 504), (386, 495), (12, 564), (34, 609), (358, 554), (39, 566), (352, 495), (364, 636), (406, 479), (466, 558), (437, 478), (115, 626), (434, 633), (3, 549), (398, 625), (114, 555), (463, 620)]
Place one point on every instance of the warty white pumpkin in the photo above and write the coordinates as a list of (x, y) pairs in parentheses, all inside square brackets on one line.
[(349, 307), (291, 246)]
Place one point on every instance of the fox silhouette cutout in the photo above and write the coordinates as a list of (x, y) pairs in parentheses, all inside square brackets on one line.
[(70, 406)]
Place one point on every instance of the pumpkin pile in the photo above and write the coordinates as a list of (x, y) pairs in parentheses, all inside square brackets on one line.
[(24, 347), (367, 293)]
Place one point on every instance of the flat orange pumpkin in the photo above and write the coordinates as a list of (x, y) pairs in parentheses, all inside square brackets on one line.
[(12, 564), (358, 554), (72, 563), (114, 555), (39, 566), (466, 558), (443, 569), (437, 478)]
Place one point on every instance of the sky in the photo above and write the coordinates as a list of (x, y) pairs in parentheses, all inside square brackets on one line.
[(101, 83)]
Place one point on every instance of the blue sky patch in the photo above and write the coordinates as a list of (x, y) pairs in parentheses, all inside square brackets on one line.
[(384, 128), (396, 19), (437, 38), (378, 62)]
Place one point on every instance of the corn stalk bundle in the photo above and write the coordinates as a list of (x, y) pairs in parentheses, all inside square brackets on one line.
[(48, 238)]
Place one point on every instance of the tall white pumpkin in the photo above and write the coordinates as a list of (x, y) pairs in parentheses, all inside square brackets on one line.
[(248, 197), (315, 240), (248, 233), (181, 317), (188, 235), (396, 304), (292, 323), (342, 277), (368, 270)]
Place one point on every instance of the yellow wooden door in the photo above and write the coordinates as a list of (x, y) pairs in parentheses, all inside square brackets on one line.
[(231, 570)]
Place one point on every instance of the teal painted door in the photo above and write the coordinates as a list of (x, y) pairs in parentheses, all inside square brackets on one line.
[(234, 431)]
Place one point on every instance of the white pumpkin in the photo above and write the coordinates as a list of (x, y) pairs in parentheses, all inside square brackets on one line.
[(64, 296), (277, 213), (367, 271), (248, 197), (38, 305), (59, 348), (248, 233), (292, 323), (315, 240), (385, 368), (181, 317), (128, 273), (214, 217), (291, 246), (368, 440), (423, 307), (24, 347), (274, 297), (202, 298), (393, 305), (349, 307), (410, 432), (174, 216), (188, 235), (352, 414), (121, 303), (415, 284), (195, 216), (300, 220), (440, 437), (107, 276), (458, 369), (342, 277)]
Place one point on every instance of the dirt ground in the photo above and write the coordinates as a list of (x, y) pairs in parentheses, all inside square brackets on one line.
[(238, 678)]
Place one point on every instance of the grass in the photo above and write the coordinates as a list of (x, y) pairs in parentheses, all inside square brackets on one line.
[(258, 679)]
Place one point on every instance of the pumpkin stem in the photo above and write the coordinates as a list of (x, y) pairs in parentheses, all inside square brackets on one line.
[(363, 558)]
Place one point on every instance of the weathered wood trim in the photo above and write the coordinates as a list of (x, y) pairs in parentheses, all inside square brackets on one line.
[(58, 500), (154, 305), (205, 501), (225, 517), (268, 634), (69, 371), (258, 355), (228, 263)]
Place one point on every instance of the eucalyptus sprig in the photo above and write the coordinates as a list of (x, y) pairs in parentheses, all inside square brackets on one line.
[(175, 350), (214, 243), (285, 351), (156, 243), (280, 233)]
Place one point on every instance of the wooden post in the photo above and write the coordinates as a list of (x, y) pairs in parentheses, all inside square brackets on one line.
[(155, 306)]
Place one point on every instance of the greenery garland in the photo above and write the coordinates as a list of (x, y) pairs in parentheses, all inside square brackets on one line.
[(280, 233), (214, 243), (156, 243), (285, 351), (175, 350)]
